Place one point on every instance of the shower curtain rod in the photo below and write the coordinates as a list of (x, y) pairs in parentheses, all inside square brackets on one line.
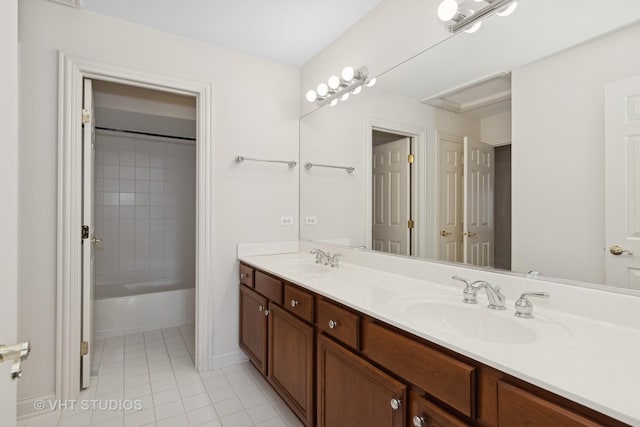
[(182, 138)]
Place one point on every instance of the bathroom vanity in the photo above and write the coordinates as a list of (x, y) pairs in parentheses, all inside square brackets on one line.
[(353, 346)]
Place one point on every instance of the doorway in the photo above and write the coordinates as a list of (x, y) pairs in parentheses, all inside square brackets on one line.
[(73, 72), (140, 250), (392, 179)]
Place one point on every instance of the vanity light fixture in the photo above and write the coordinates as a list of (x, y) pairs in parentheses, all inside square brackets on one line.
[(470, 18), (340, 88)]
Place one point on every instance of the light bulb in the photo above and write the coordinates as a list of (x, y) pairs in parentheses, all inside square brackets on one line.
[(333, 103), (447, 10), (371, 82), (357, 90), (348, 73), (322, 89), (312, 95), (508, 10), (475, 27), (334, 82), (344, 97)]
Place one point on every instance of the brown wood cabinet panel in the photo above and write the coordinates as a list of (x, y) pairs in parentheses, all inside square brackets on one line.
[(253, 327), (423, 413), (268, 286), (352, 392), (517, 407), (298, 302), (339, 323), (447, 379), (291, 361), (246, 275)]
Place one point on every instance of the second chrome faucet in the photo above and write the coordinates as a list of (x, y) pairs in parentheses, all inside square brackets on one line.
[(470, 293), (325, 258)]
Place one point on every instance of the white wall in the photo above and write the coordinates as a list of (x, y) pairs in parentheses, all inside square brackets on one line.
[(256, 106), (9, 191), (496, 129), (338, 136), (558, 167)]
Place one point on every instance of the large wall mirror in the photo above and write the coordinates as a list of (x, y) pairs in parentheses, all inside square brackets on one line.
[(516, 148)]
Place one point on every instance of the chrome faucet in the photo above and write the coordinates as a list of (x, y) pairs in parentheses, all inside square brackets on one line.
[(470, 293), (496, 298), (326, 258)]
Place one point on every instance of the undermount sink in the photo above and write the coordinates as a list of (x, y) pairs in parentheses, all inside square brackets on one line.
[(479, 322), (303, 267)]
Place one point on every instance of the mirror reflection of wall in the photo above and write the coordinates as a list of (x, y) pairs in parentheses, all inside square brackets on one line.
[(545, 202)]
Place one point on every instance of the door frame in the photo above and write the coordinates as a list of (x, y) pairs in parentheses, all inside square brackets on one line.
[(419, 147), (72, 71)]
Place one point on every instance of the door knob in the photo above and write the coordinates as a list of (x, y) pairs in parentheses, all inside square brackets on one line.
[(445, 233), (16, 353), (469, 234), (617, 250), (96, 241)]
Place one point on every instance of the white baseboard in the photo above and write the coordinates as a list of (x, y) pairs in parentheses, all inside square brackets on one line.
[(26, 407), (228, 359)]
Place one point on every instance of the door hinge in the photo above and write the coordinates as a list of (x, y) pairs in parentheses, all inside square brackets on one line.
[(411, 224), (86, 116), (85, 231), (411, 158), (84, 348)]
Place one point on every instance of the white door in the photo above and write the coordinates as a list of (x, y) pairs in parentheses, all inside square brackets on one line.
[(450, 202), (391, 198), (89, 240), (622, 188), (478, 203)]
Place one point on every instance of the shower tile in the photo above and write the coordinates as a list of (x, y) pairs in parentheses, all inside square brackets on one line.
[(156, 199), (142, 199), (111, 172), (127, 199), (126, 172), (142, 186), (156, 186), (127, 185), (111, 199), (156, 174), (142, 173), (127, 158), (142, 212), (142, 160)]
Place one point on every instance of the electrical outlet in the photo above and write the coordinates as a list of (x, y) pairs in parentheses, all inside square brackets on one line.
[(310, 220), (286, 220)]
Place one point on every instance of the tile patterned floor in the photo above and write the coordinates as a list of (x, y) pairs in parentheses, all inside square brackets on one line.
[(157, 368)]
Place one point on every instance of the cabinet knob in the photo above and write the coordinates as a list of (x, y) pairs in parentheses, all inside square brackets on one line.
[(266, 312), (260, 308), (333, 324), (419, 421), (243, 276), (294, 303), (395, 404)]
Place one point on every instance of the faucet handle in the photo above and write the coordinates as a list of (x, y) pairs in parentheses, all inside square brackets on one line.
[(469, 294), (335, 260), (524, 308)]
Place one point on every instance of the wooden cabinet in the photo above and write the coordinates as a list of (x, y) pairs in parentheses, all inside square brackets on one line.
[(423, 413), (253, 327), (352, 392), (291, 361), (517, 407), (338, 322)]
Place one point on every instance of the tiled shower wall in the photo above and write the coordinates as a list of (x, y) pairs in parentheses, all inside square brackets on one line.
[(145, 210)]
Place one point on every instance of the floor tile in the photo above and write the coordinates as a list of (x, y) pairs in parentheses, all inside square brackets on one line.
[(202, 415)]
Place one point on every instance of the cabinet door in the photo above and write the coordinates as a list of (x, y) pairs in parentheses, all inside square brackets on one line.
[(423, 413), (352, 392), (291, 361), (253, 327), (517, 407)]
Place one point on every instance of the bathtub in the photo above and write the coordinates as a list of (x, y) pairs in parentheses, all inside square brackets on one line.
[(132, 308)]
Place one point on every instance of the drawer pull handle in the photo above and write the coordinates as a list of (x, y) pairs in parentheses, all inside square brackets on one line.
[(243, 275), (419, 421), (266, 312), (333, 324), (395, 404), (294, 303), (260, 308)]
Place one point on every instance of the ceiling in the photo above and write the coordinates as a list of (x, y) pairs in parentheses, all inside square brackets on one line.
[(287, 31)]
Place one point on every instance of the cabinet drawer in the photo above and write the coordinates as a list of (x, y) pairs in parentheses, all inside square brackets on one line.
[(298, 302), (426, 414), (246, 275), (339, 323), (268, 286), (445, 378), (517, 407)]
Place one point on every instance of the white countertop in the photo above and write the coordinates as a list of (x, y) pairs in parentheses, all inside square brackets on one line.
[(592, 362)]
